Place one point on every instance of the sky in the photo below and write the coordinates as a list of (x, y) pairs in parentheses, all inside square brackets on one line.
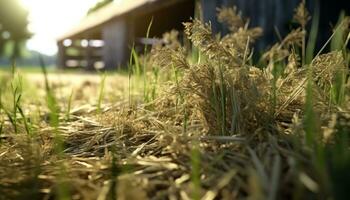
[(49, 19)]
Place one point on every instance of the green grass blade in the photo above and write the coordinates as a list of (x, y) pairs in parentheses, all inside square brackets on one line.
[(101, 93), (145, 95), (150, 24), (275, 176), (69, 105), (338, 42), (137, 66), (195, 171), (1, 128), (1, 110), (130, 72), (311, 45), (25, 121), (222, 102)]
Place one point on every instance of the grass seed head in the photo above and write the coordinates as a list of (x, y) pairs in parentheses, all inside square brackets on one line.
[(301, 14), (231, 17)]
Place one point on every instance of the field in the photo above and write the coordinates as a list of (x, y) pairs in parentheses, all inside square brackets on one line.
[(206, 123)]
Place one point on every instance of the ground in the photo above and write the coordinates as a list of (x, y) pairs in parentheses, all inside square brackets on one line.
[(202, 123)]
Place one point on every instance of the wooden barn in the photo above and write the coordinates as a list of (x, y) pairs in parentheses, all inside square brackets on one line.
[(104, 38)]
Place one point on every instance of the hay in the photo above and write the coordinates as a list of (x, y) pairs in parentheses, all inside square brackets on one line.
[(245, 125)]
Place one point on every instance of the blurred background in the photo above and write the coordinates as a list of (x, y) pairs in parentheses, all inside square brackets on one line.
[(32, 27)]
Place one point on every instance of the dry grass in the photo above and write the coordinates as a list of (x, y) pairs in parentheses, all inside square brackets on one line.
[(218, 128)]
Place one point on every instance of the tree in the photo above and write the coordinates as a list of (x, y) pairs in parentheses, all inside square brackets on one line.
[(13, 27)]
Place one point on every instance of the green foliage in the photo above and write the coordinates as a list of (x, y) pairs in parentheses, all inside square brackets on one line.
[(13, 27), (16, 94), (12, 107)]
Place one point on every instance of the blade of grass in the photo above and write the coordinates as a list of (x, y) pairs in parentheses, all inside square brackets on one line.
[(13, 68), (130, 72), (50, 98), (338, 39), (338, 90), (222, 101), (259, 168), (14, 111), (329, 40), (235, 126), (1, 119), (101, 93), (27, 126), (9, 116), (214, 101), (195, 171), (309, 121), (145, 96), (1, 128), (114, 177), (155, 83), (69, 105), (275, 176), (310, 49), (148, 33), (137, 66)]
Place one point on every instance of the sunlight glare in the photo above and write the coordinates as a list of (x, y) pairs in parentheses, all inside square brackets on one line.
[(49, 19)]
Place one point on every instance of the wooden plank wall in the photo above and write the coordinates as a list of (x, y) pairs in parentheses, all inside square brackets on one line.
[(116, 38), (272, 15), (263, 13)]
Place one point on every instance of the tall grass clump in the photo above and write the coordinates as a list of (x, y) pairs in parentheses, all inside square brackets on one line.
[(296, 96), (215, 83), (11, 102)]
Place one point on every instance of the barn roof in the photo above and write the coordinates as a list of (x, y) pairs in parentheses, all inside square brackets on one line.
[(113, 11)]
